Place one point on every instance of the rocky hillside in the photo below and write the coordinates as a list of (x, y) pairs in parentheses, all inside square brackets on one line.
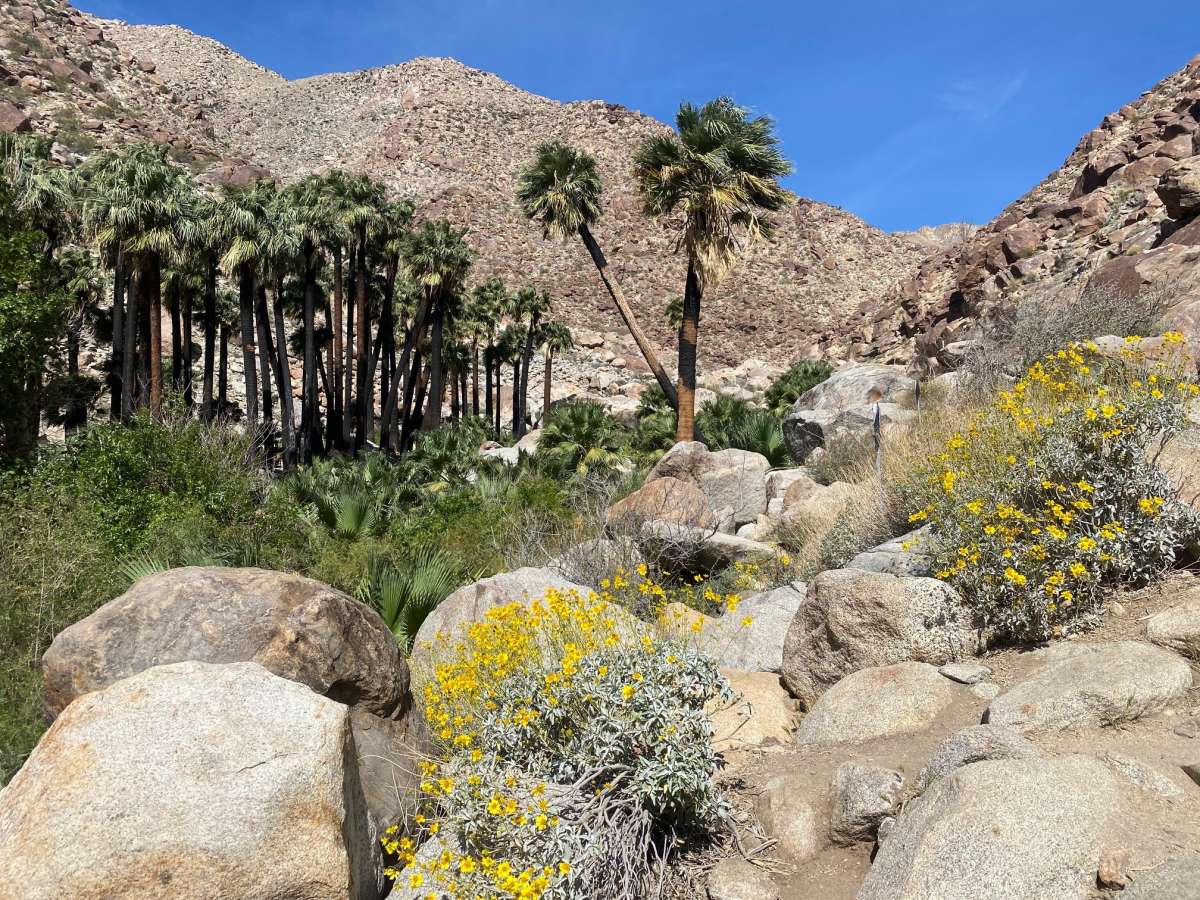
[(454, 138), (1120, 214)]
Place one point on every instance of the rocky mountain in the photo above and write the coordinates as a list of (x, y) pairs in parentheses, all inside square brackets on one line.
[(455, 139), (1120, 215)]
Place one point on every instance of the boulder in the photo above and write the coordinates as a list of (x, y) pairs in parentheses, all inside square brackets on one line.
[(909, 555), (796, 815), (470, 603), (862, 384), (1179, 188), (696, 550), (965, 673), (664, 499), (876, 703), (808, 504), (389, 752), (853, 620), (808, 430), (759, 713), (1178, 879), (1092, 685), (975, 743), (757, 647), (192, 780), (779, 480), (590, 562), (863, 796), (734, 479), (998, 830), (844, 406), (1178, 628), (13, 119), (297, 628), (734, 878)]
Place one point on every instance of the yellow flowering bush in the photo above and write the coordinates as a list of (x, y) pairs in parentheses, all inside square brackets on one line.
[(572, 740), (1053, 493)]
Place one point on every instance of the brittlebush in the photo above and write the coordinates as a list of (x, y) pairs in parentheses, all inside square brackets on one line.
[(571, 741), (1052, 494)]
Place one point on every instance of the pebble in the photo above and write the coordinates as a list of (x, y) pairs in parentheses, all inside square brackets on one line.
[(965, 673)]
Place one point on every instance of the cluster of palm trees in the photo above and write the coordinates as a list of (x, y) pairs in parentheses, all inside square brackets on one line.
[(384, 323), (331, 270)]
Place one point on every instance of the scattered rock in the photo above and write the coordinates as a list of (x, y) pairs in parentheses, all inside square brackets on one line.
[(734, 878), (1093, 684), (1113, 870), (1178, 879), (13, 119), (295, 627), (998, 830), (790, 811), (186, 776), (965, 673), (761, 712), (906, 555), (734, 479), (862, 797), (665, 499), (1179, 189), (877, 702), (779, 480), (975, 743), (689, 549), (853, 619), (844, 407), (1178, 628)]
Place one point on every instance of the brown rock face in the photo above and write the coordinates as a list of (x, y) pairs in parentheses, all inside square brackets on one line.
[(295, 627), (12, 119), (1179, 189)]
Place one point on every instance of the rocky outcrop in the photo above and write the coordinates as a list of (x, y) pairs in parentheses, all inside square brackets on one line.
[(998, 830), (295, 627), (196, 781), (853, 620), (844, 407), (1093, 685), (664, 499)]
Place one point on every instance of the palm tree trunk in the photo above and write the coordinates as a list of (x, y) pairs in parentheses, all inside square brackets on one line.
[(132, 317), (433, 411), (154, 276), (266, 358), (188, 396), (516, 405), (526, 357), (249, 373), (347, 423), (76, 416), (391, 423), (546, 384), (223, 372), (310, 428), (474, 377), (499, 392), (283, 372), (362, 350), (339, 398), (487, 388), (143, 356), (173, 302), (210, 338), (414, 399), (387, 338), (618, 297), (116, 368), (462, 381), (453, 381), (685, 428)]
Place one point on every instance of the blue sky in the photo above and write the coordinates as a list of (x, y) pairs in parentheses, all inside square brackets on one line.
[(904, 113)]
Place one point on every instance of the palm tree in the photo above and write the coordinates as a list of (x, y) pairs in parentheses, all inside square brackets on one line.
[(361, 211), (581, 438), (721, 173), (555, 338), (488, 302), (561, 189), (438, 258), (509, 347), (81, 280), (43, 192), (528, 308), (138, 200), (390, 229)]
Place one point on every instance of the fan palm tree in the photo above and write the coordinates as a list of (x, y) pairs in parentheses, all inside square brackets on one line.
[(139, 200), (488, 302), (43, 192), (555, 338), (561, 189), (202, 242), (721, 173), (405, 596), (81, 280), (438, 258), (581, 438), (389, 231), (527, 309), (509, 346)]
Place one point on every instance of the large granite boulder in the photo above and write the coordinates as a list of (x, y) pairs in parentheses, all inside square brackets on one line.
[(876, 703), (665, 499), (1178, 627), (854, 619), (975, 743), (1093, 685), (683, 548), (297, 628), (758, 713), (192, 780), (843, 407), (758, 646), (389, 765), (729, 479), (470, 603), (999, 830), (909, 554)]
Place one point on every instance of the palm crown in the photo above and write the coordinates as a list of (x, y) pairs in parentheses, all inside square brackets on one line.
[(561, 189), (720, 171)]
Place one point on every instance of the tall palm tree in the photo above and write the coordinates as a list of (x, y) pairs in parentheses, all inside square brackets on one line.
[(721, 173), (510, 347), (283, 256), (561, 189), (81, 280), (361, 213), (203, 243), (389, 232), (438, 258), (330, 191), (139, 200), (529, 306), (555, 338), (488, 302)]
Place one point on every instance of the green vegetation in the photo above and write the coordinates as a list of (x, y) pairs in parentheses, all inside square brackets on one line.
[(797, 380)]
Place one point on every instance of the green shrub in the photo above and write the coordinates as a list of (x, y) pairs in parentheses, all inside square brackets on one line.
[(580, 438), (1053, 494), (801, 377), (404, 595)]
